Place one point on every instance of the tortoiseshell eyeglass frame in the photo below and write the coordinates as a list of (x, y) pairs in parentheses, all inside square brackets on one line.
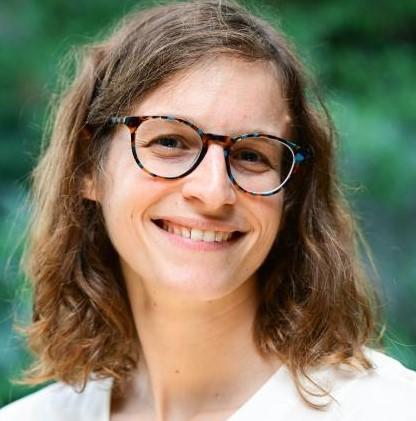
[(133, 122)]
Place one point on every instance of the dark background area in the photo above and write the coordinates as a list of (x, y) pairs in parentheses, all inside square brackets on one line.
[(363, 54)]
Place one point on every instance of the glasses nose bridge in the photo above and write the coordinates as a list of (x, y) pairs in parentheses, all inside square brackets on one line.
[(225, 141)]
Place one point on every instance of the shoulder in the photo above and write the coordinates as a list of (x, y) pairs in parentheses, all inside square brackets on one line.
[(390, 368), (62, 402), (387, 376), (388, 391)]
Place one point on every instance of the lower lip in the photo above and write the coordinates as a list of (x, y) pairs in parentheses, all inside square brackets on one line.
[(196, 245)]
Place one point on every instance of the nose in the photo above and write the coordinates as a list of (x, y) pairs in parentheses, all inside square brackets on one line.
[(209, 183)]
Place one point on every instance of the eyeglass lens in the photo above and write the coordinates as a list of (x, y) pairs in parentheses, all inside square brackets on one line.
[(169, 148)]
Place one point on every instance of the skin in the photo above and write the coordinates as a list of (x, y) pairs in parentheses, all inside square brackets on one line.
[(194, 310)]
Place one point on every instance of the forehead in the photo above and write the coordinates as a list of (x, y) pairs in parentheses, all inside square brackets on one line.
[(226, 95)]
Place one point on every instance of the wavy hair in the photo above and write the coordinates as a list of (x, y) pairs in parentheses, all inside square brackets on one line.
[(316, 304)]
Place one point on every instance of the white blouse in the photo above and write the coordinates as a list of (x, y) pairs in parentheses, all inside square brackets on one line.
[(384, 394)]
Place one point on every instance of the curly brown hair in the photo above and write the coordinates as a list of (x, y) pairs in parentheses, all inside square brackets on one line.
[(316, 304)]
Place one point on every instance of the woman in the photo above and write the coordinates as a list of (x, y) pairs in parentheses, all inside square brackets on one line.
[(192, 255)]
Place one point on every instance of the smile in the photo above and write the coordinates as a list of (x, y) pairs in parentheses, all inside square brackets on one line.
[(196, 234)]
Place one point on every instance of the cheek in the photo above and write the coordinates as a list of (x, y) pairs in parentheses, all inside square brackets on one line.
[(271, 215), (267, 214), (125, 198), (271, 225), (272, 230), (128, 199), (122, 194)]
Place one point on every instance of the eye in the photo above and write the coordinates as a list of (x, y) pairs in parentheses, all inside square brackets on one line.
[(249, 156), (170, 142)]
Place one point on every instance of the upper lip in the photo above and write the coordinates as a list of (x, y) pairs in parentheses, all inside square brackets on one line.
[(201, 224)]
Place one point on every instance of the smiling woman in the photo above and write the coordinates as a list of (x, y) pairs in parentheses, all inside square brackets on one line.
[(204, 202), (191, 253)]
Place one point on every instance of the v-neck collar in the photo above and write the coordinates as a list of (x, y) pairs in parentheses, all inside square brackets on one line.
[(264, 399), (269, 398)]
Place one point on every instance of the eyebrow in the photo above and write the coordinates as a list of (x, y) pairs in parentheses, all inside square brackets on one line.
[(235, 133)]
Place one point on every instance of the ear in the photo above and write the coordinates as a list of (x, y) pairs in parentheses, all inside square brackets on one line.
[(88, 184), (89, 189)]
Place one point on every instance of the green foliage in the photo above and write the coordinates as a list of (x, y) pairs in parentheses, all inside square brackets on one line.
[(363, 55)]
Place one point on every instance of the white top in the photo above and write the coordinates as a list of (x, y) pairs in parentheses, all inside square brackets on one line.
[(384, 394)]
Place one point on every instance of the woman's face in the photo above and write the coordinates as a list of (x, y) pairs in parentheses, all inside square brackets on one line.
[(228, 96)]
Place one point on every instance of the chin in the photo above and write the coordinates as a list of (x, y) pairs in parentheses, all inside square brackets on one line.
[(197, 287)]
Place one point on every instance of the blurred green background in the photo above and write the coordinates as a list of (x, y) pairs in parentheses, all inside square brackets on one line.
[(364, 56)]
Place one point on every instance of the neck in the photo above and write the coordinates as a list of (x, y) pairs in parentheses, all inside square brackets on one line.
[(196, 355)]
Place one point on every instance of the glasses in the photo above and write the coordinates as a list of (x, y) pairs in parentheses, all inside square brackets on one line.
[(171, 148)]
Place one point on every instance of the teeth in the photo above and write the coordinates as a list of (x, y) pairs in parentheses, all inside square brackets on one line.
[(209, 236), (222, 236), (186, 233), (196, 234)]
